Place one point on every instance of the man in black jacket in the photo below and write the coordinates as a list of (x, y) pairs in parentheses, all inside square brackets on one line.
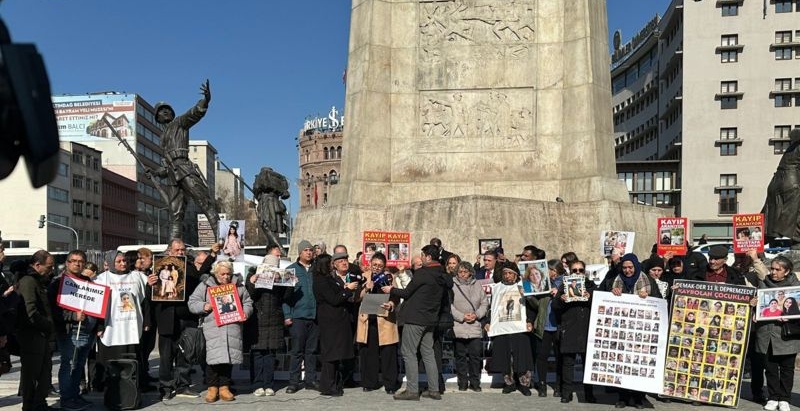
[(35, 330), (420, 315), (171, 319)]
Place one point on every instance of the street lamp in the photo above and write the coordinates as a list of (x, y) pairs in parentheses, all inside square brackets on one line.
[(43, 220)]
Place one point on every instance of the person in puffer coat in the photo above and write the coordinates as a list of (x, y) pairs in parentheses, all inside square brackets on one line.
[(469, 307), (223, 343)]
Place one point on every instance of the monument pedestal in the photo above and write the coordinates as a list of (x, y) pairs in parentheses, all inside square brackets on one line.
[(461, 221)]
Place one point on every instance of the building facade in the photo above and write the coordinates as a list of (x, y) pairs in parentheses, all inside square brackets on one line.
[(320, 155), (119, 212), (704, 99), (202, 153)]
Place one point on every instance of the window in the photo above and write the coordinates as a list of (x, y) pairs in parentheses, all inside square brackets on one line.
[(77, 157), (77, 181), (627, 178), (730, 10), (728, 86), (729, 56), (727, 180), (727, 103), (783, 101), (783, 84), (729, 40), (783, 6), (783, 37), (730, 133), (325, 151), (57, 219), (63, 169), (779, 147), (727, 202), (783, 54), (77, 207), (57, 194), (782, 132), (339, 152), (96, 211), (727, 149), (96, 163), (96, 187)]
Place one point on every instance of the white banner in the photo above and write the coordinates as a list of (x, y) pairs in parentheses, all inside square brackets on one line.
[(83, 296), (627, 341)]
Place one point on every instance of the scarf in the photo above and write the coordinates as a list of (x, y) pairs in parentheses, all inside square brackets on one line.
[(634, 283)]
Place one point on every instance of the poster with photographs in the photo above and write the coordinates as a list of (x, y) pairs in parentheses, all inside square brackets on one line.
[(231, 235), (778, 303), (171, 283), (508, 314), (672, 235), (489, 244), (535, 279), (627, 336), (749, 229), (394, 245), (574, 287), (621, 241), (226, 305), (270, 276), (707, 342)]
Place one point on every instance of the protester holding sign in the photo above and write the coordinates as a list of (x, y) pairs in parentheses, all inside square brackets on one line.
[(75, 331), (778, 352), (631, 281), (573, 332), (223, 343)]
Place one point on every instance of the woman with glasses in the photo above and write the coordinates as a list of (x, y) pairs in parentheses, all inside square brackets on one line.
[(631, 281), (776, 352), (573, 332), (377, 336), (469, 307)]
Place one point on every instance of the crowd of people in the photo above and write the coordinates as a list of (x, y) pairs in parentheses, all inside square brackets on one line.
[(439, 298)]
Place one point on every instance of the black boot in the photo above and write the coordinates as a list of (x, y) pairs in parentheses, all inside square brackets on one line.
[(509, 388), (588, 394), (566, 398), (541, 388)]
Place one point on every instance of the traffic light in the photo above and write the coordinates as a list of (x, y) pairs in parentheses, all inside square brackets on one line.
[(41, 221)]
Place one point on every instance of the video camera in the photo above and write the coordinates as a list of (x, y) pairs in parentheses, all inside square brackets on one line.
[(27, 122)]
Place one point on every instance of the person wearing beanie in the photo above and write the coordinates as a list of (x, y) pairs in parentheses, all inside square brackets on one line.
[(300, 315)]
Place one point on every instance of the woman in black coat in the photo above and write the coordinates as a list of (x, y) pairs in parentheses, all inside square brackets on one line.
[(336, 337), (573, 332), (264, 332)]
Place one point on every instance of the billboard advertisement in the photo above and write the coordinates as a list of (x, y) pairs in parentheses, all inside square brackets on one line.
[(81, 117)]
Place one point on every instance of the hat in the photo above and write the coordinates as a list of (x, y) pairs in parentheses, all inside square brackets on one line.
[(303, 244), (499, 250), (340, 255), (718, 251)]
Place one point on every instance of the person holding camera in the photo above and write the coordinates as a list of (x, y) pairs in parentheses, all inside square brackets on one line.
[(377, 335)]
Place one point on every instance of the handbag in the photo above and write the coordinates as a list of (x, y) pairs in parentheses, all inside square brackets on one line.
[(790, 330)]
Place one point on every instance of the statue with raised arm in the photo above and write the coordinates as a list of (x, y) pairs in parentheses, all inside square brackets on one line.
[(183, 178), (782, 207), (270, 189)]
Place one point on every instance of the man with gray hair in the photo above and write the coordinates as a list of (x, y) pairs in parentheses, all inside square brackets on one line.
[(300, 315)]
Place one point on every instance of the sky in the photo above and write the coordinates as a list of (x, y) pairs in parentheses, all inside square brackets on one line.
[(271, 64)]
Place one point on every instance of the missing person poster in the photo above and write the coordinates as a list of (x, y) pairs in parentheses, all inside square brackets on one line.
[(672, 235), (394, 245), (508, 314), (535, 277), (171, 283), (627, 336), (271, 276), (79, 295), (225, 304), (231, 235), (778, 304), (749, 231), (622, 241), (575, 287), (707, 342)]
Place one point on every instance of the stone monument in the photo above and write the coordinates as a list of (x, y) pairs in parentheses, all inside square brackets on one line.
[(466, 119)]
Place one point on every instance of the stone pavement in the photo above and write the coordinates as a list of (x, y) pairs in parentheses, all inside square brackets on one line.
[(355, 398)]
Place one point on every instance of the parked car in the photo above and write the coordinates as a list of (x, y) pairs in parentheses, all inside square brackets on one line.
[(769, 251)]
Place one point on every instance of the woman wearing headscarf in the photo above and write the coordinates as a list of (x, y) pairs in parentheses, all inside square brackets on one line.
[(545, 330), (511, 350), (631, 281), (573, 332), (777, 353), (128, 312), (469, 306)]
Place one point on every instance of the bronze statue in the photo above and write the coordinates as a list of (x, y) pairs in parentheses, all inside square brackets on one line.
[(782, 207), (269, 189), (183, 177)]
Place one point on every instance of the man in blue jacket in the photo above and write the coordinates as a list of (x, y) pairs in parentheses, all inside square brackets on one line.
[(300, 314)]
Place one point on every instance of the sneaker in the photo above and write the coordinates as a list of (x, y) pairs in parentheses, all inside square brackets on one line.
[(772, 405), (259, 392), (783, 406), (269, 392), (167, 395), (407, 396), (187, 393)]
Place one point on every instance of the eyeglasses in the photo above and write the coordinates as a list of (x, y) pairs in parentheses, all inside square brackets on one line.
[(578, 270)]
